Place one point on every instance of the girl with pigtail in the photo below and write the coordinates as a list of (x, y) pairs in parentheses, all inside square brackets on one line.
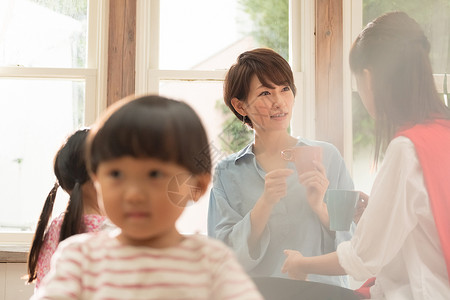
[(148, 157), (81, 215)]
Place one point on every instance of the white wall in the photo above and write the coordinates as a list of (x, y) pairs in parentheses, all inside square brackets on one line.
[(12, 287)]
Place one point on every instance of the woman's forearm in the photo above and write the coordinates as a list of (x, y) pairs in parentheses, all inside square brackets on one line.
[(322, 214), (327, 264), (259, 216)]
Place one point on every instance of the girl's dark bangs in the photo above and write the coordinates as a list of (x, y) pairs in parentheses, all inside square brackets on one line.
[(143, 132), (152, 127)]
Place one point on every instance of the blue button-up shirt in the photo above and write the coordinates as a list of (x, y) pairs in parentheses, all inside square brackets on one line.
[(239, 182)]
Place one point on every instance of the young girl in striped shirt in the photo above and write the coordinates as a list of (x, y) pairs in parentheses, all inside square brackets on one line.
[(148, 157)]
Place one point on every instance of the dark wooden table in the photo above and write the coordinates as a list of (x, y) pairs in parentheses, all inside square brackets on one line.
[(286, 289)]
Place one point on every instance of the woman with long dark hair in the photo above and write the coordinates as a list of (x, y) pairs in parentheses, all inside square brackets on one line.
[(403, 237)]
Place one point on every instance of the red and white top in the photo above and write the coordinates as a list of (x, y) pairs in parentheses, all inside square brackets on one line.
[(92, 223), (98, 266), (396, 239)]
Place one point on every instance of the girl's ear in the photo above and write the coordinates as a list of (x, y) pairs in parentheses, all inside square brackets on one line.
[(368, 80), (93, 178), (238, 105), (202, 182), (364, 84), (98, 189)]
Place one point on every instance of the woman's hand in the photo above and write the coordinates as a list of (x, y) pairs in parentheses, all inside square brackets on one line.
[(360, 206), (275, 186), (297, 266), (293, 265), (316, 183)]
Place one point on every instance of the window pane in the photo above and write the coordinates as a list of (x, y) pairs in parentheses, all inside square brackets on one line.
[(210, 34), (205, 97), (35, 118), (43, 33), (433, 16), (363, 145)]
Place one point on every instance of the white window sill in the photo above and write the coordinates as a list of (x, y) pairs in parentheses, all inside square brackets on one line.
[(14, 246)]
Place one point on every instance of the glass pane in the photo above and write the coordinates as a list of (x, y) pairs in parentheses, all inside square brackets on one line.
[(35, 118), (205, 97), (363, 145), (433, 16), (210, 34), (43, 33)]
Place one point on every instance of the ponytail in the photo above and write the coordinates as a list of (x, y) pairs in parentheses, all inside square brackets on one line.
[(70, 170), (73, 216), (38, 239)]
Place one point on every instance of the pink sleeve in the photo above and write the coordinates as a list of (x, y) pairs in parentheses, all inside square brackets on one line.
[(51, 241)]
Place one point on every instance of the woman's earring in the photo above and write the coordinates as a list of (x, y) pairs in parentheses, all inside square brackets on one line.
[(243, 120)]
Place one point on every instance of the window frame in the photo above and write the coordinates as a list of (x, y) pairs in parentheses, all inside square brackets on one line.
[(302, 60), (94, 76), (301, 34), (301, 55)]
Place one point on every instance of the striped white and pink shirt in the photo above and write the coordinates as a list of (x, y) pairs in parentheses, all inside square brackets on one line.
[(98, 266)]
